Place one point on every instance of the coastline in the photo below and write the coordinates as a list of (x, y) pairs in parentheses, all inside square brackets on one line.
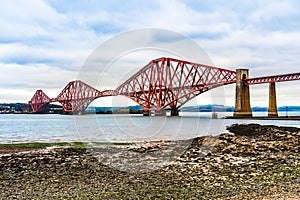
[(252, 162), (268, 118)]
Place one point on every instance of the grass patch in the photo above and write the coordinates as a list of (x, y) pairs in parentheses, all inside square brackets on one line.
[(35, 144), (63, 144), (109, 143)]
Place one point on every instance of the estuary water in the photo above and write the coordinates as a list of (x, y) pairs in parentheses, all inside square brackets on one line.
[(16, 128)]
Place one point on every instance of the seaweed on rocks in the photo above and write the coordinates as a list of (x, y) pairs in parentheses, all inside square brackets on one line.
[(251, 162), (254, 130)]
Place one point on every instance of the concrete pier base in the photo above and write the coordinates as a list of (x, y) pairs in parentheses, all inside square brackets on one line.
[(161, 112), (242, 96), (174, 113), (272, 111), (154, 112), (146, 113)]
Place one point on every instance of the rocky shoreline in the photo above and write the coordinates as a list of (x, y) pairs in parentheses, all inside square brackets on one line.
[(250, 162)]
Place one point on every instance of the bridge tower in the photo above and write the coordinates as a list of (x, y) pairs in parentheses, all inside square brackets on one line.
[(242, 96), (39, 101), (272, 111)]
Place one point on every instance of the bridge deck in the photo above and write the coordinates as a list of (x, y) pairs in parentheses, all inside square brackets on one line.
[(271, 79)]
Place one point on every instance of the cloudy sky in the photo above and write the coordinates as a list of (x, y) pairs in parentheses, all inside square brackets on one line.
[(44, 44)]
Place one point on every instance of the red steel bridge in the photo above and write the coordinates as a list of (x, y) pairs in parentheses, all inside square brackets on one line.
[(164, 83)]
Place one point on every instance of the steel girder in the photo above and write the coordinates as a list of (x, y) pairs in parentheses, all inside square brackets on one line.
[(270, 79), (39, 101), (163, 82), (76, 96), (170, 82)]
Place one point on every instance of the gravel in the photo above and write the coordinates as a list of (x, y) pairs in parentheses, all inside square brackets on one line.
[(251, 162)]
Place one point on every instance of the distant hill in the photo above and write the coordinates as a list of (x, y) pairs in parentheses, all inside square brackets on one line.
[(113, 109), (208, 108), (19, 108), (221, 108), (52, 108)]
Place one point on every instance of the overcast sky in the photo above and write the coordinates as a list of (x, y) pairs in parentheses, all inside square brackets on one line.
[(43, 44)]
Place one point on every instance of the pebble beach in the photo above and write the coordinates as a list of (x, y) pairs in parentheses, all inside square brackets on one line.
[(250, 162)]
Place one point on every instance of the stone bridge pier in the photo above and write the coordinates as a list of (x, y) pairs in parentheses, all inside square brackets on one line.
[(272, 111), (242, 107), (242, 97)]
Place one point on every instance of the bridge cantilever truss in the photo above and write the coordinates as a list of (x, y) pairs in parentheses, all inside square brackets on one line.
[(162, 83), (168, 82), (39, 101), (76, 96)]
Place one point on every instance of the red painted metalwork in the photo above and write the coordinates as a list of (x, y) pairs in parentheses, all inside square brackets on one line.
[(107, 93), (168, 82), (39, 101), (162, 83), (76, 96), (270, 79)]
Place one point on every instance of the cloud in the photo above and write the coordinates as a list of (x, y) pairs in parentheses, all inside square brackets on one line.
[(44, 39), (33, 76), (19, 82), (27, 20), (64, 57)]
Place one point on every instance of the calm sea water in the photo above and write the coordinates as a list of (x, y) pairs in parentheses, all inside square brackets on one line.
[(108, 128)]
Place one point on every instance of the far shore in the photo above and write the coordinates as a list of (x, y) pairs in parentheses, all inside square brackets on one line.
[(268, 118)]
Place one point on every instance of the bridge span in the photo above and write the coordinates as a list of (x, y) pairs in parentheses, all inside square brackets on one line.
[(166, 83)]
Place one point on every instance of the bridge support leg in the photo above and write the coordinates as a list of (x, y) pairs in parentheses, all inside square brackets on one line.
[(154, 112), (272, 111), (161, 112), (174, 112), (146, 113), (242, 96)]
